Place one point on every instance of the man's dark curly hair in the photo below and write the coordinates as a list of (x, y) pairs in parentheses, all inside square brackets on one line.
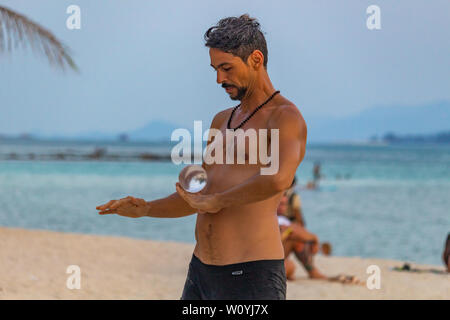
[(239, 36)]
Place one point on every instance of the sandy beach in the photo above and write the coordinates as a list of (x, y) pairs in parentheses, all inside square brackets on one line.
[(33, 265)]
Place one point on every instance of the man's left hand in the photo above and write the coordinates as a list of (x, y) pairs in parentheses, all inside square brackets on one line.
[(204, 203)]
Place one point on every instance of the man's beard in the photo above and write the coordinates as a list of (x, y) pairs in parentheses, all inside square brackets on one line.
[(241, 91)]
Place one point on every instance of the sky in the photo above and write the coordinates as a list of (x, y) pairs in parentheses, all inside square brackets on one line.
[(145, 60)]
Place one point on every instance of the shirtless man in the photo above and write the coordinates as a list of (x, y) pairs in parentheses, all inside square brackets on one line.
[(238, 252)]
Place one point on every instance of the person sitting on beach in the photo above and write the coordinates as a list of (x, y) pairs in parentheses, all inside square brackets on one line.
[(294, 213), (294, 209), (297, 239), (446, 253)]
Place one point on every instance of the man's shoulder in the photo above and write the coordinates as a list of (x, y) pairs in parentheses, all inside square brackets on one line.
[(287, 108), (220, 117), (287, 113), (224, 113)]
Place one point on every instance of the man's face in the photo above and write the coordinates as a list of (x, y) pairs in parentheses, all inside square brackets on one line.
[(232, 73)]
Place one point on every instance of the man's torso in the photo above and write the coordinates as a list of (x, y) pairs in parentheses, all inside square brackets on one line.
[(239, 233)]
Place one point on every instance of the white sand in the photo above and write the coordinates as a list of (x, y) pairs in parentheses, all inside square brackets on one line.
[(33, 265)]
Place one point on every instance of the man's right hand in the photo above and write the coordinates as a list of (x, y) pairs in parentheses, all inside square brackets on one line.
[(127, 207)]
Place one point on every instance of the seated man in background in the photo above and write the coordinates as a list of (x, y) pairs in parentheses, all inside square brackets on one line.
[(294, 213), (294, 209), (297, 239)]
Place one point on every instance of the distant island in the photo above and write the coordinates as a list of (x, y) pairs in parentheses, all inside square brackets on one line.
[(392, 138), (442, 137)]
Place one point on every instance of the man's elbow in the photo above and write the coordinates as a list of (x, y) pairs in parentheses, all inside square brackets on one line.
[(281, 182)]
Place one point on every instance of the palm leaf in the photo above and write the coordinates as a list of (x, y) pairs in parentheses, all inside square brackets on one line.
[(16, 29)]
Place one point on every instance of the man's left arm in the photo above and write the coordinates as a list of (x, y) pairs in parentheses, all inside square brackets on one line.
[(292, 134)]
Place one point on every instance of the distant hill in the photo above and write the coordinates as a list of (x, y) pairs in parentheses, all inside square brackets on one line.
[(369, 125), (377, 121), (152, 131)]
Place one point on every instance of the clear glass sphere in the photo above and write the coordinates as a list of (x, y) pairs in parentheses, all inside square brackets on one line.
[(193, 178)]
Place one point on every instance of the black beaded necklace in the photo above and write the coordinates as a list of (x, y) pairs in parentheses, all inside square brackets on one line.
[(251, 115)]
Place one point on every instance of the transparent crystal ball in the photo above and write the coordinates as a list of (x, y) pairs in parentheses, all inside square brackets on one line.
[(193, 178)]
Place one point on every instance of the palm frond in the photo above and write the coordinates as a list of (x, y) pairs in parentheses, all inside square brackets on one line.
[(16, 29)]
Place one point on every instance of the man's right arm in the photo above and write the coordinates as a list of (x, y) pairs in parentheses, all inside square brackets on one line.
[(174, 206)]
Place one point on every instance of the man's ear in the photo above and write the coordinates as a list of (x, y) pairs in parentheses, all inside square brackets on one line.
[(256, 59)]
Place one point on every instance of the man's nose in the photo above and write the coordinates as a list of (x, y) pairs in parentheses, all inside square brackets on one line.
[(220, 77)]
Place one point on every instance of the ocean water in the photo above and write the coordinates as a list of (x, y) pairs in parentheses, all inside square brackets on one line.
[(374, 201)]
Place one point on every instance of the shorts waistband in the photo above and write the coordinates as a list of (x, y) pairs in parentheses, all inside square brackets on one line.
[(249, 265)]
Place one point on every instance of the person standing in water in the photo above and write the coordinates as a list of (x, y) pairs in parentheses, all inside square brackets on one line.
[(238, 252), (317, 175)]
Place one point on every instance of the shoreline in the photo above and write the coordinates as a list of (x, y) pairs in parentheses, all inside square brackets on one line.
[(34, 264)]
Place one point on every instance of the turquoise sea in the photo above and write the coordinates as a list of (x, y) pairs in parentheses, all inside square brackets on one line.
[(384, 201)]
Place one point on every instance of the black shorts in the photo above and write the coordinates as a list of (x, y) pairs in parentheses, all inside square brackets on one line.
[(253, 280)]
